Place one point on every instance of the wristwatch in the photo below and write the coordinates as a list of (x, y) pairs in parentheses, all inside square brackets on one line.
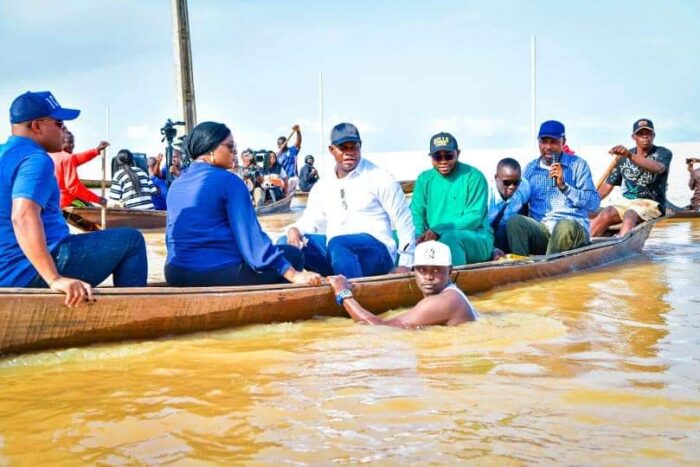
[(342, 295)]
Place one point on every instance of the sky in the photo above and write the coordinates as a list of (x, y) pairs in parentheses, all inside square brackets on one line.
[(401, 71)]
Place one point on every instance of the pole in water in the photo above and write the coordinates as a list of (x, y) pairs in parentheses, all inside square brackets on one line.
[(533, 87), (103, 213)]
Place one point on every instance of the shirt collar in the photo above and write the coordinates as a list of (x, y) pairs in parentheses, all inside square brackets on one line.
[(565, 160), (23, 140)]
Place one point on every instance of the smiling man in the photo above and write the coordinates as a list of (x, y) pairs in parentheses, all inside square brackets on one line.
[(450, 204), (562, 196), (442, 304), (644, 172), (358, 206)]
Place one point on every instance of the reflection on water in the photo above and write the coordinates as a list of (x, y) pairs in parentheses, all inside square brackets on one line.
[(591, 368)]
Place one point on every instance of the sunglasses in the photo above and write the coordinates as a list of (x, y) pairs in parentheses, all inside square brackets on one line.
[(58, 123), (444, 157), (508, 183)]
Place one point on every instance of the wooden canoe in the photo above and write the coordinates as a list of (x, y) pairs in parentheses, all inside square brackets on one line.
[(144, 219), (35, 319), (90, 183)]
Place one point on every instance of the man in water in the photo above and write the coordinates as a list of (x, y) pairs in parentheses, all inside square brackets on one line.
[(442, 303), (561, 198), (644, 172), (65, 162)]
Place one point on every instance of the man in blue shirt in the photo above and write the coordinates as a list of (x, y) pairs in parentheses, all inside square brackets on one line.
[(287, 158), (508, 196), (160, 184), (561, 198), (36, 249)]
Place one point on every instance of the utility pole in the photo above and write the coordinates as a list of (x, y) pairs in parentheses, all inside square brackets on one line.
[(183, 63), (533, 89)]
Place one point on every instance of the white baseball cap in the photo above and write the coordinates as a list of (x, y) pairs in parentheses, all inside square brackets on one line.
[(432, 253)]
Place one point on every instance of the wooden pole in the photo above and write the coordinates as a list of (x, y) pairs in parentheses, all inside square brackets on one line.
[(533, 89), (605, 175), (103, 212), (183, 63)]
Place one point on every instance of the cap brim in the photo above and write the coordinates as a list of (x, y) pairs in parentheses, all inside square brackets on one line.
[(64, 114), (347, 139), (549, 136), (442, 148), (643, 128)]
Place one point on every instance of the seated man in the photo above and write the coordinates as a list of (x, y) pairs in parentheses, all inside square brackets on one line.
[(308, 175), (358, 205), (251, 173), (508, 196), (694, 182), (73, 192), (37, 250), (644, 171), (442, 303), (450, 203), (561, 197)]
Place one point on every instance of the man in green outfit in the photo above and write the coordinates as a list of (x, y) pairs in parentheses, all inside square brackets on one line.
[(450, 204)]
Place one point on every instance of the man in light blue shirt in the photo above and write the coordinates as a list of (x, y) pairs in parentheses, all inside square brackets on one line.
[(561, 198), (508, 196)]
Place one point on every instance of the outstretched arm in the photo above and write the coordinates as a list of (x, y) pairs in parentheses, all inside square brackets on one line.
[(297, 143)]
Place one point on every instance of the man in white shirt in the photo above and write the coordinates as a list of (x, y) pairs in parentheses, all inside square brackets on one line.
[(358, 206)]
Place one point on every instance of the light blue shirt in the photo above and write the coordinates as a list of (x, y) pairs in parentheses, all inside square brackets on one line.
[(549, 205), (514, 204)]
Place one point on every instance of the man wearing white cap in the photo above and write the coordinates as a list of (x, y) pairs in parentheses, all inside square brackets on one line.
[(442, 304)]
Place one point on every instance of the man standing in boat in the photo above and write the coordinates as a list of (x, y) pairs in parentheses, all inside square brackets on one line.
[(644, 171), (442, 304), (73, 192), (561, 198), (358, 205), (287, 158), (36, 249), (450, 204)]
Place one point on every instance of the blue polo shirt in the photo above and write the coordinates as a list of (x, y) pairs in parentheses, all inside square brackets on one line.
[(26, 171)]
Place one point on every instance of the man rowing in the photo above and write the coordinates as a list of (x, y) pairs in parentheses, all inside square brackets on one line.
[(561, 198), (287, 157), (644, 172), (450, 203), (358, 205), (66, 163), (442, 303), (36, 249)]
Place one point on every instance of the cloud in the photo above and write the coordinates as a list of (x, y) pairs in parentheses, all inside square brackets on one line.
[(139, 132), (475, 127)]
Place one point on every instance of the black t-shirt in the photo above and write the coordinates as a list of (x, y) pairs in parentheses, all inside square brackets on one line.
[(640, 183)]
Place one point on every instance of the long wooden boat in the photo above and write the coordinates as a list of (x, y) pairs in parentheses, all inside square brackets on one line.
[(82, 218), (35, 319), (91, 183)]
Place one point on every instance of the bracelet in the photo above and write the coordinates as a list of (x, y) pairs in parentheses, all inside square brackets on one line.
[(342, 295), (54, 280)]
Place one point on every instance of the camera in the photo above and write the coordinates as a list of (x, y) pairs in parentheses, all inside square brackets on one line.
[(259, 156), (169, 131)]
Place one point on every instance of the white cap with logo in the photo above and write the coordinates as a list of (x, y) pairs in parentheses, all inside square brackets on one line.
[(432, 253)]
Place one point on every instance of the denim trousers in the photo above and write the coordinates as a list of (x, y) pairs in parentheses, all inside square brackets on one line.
[(93, 257), (235, 274)]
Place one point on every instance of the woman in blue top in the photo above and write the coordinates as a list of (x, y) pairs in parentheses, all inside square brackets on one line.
[(212, 233)]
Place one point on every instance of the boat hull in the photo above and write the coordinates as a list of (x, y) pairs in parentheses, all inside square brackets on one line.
[(37, 319)]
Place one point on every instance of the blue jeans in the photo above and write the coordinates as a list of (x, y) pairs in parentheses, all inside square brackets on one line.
[(92, 257), (235, 274)]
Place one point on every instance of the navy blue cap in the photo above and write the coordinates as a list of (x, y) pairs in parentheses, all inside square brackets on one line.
[(641, 124), (552, 129), (443, 142), (344, 133), (33, 105)]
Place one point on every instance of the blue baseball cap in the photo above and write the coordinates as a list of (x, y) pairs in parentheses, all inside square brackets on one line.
[(33, 105), (443, 142), (552, 129), (344, 133)]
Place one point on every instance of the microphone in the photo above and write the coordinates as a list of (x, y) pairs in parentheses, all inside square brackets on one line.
[(556, 158)]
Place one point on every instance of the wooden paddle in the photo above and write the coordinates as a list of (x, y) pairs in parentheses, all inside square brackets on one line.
[(606, 174), (80, 222)]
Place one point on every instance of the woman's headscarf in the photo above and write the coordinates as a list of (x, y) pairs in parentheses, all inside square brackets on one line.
[(204, 138)]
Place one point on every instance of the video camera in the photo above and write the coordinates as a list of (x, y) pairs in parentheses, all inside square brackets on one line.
[(169, 131), (259, 156)]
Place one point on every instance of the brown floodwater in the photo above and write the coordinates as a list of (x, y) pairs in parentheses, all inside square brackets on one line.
[(601, 367)]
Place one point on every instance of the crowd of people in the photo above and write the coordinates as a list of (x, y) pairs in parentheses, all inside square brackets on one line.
[(357, 222)]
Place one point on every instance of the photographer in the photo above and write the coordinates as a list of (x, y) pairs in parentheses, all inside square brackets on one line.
[(173, 155), (694, 182), (308, 175), (252, 176)]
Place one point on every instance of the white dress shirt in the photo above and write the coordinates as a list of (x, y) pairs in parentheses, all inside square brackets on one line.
[(367, 200)]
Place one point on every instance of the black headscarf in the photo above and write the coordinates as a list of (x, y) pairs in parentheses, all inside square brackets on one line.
[(204, 138)]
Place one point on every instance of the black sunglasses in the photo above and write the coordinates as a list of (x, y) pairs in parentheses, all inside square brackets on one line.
[(444, 157), (511, 182)]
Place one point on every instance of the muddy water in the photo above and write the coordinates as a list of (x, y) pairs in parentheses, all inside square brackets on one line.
[(594, 368)]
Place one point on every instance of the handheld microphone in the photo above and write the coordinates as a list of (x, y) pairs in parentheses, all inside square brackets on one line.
[(556, 158)]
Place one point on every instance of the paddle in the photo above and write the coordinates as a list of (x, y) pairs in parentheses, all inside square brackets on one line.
[(103, 212), (606, 174), (80, 222)]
